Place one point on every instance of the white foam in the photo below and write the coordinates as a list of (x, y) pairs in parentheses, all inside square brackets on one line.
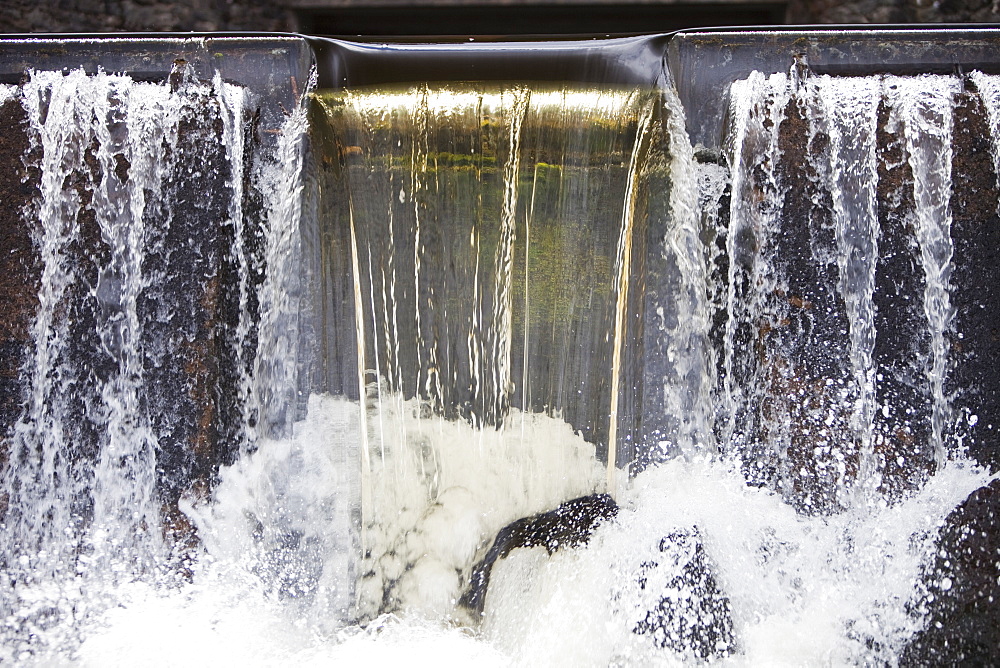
[(282, 516), (443, 489), (803, 590)]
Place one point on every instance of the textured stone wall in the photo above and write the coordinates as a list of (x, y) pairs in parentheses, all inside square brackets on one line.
[(277, 15), (893, 11), (142, 15)]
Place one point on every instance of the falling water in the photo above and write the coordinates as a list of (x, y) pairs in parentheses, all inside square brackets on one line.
[(525, 293), (133, 339), (467, 208), (830, 396), (810, 259), (74, 506)]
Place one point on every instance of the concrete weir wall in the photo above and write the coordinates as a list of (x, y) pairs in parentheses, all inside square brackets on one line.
[(164, 201)]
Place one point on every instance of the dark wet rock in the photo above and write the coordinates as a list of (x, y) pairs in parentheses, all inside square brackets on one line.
[(142, 15), (963, 588), (974, 342), (687, 611), (902, 425), (570, 525), (693, 616), (891, 11), (807, 350), (709, 156), (19, 269), (792, 355), (84, 363), (181, 15), (791, 347), (190, 309)]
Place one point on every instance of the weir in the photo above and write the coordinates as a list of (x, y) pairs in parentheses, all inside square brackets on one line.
[(319, 338)]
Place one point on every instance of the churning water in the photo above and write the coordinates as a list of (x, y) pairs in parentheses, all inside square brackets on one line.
[(524, 294)]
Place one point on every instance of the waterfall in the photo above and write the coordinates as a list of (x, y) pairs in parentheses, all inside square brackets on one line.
[(278, 378), (835, 335), (877, 416), (139, 374), (466, 206)]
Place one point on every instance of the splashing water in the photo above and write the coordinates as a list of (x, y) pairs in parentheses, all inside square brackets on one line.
[(130, 334), (803, 590)]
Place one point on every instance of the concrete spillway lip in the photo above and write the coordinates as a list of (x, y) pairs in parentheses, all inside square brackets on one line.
[(703, 63), (275, 66), (634, 61), (626, 60)]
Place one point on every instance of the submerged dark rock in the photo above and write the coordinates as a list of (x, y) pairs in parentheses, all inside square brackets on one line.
[(963, 588), (693, 615), (569, 525), (687, 612)]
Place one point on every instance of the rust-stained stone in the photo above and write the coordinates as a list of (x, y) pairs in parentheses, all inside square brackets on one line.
[(189, 309), (189, 317), (84, 362), (20, 269), (803, 346), (800, 363), (973, 380), (84, 357), (902, 427)]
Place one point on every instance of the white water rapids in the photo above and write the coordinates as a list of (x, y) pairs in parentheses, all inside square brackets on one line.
[(804, 591)]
